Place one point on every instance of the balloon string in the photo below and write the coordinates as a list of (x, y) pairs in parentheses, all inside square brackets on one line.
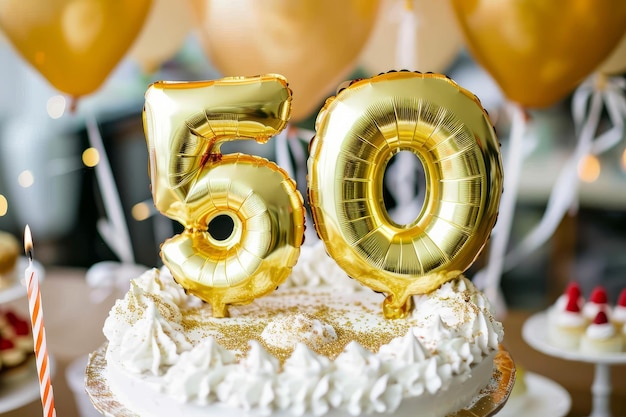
[(289, 150), (406, 43), (563, 196), (115, 231), (512, 176), (299, 156), (283, 159)]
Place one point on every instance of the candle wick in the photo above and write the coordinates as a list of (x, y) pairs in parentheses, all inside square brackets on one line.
[(29, 253)]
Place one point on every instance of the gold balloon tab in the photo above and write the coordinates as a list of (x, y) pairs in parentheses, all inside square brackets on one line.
[(194, 183), (358, 132)]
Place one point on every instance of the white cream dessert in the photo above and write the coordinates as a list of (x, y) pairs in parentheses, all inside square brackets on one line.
[(571, 291), (567, 326), (318, 346), (601, 337), (619, 311), (598, 301)]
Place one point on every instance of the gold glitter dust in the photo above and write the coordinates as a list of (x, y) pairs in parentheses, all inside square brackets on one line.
[(248, 322)]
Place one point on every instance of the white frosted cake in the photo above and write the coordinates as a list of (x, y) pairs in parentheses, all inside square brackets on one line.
[(318, 346)]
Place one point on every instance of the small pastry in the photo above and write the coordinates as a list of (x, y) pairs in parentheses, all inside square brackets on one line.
[(16, 341), (19, 332), (9, 253), (10, 355), (567, 326), (618, 317), (571, 291), (598, 301), (601, 337)]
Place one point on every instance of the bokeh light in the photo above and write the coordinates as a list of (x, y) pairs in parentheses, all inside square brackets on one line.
[(4, 205), (141, 211), (589, 169), (26, 179), (91, 157), (56, 106)]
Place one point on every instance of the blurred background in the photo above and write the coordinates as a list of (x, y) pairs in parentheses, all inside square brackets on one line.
[(49, 174)]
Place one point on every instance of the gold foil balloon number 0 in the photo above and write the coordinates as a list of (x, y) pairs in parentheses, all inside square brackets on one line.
[(193, 183), (358, 132)]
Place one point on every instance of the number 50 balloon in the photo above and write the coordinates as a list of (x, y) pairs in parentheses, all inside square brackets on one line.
[(185, 124), (358, 132)]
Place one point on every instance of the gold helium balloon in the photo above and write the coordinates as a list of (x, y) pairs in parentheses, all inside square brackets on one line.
[(358, 132), (74, 44), (437, 39), (192, 182), (163, 34), (315, 44), (538, 51)]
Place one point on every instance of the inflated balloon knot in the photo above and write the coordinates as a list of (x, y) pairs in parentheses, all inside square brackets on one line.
[(601, 82), (396, 307)]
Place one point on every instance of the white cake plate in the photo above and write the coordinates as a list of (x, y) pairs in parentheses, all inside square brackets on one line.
[(535, 333), (18, 289), (486, 404), (543, 397)]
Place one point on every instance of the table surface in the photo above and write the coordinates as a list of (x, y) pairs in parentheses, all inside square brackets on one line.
[(74, 328)]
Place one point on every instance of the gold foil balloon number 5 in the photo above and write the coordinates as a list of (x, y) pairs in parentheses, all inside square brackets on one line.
[(193, 183), (358, 132)]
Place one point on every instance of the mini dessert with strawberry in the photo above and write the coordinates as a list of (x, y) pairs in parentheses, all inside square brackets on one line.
[(601, 336), (9, 253), (567, 326), (619, 311), (598, 301), (572, 291), (16, 342)]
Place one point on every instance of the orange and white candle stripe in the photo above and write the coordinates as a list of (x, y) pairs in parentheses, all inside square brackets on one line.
[(39, 331)]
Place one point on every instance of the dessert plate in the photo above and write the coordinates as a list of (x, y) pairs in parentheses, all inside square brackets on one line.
[(487, 403), (22, 387), (543, 397), (18, 288)]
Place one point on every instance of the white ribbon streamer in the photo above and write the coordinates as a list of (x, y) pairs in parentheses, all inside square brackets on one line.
[(114, 231), (586, 116), (489, 279)]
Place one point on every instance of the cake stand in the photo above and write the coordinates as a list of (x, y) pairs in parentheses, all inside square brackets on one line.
[(535, 333)]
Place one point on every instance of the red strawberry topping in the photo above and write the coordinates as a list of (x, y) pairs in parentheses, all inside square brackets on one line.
[(622, 298), (11, 317), (598, 295), (573, 290), (601, 318), (6, 344), (21, 328), (572, 305)]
